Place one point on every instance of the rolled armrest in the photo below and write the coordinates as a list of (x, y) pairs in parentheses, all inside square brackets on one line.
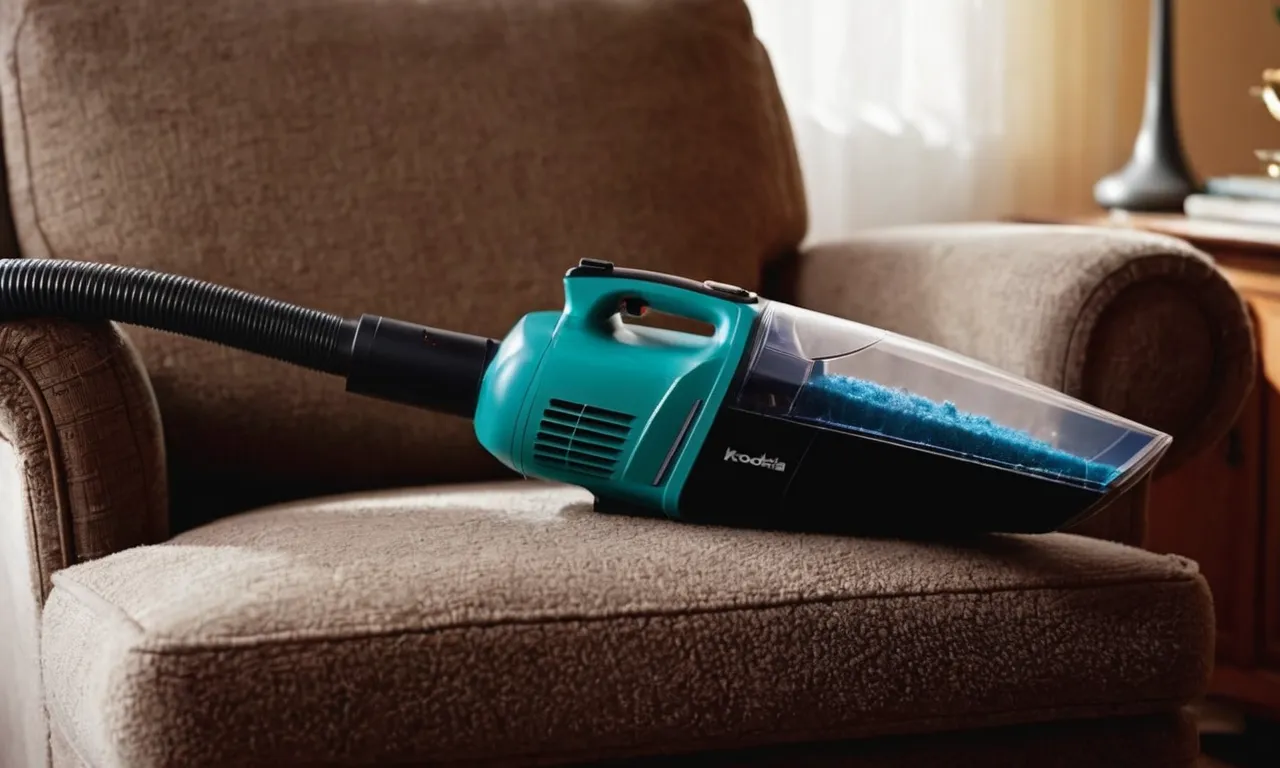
[(82, 474), (1138, 324), (81, 437)]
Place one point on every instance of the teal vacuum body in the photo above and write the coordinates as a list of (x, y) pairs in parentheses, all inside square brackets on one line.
[(778, 417), (786, 418)]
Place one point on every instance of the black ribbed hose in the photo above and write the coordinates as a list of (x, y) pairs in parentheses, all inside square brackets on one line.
[(89, 291), (388, 359)]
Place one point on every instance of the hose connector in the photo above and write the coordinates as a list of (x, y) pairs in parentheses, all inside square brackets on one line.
[(417, 365)]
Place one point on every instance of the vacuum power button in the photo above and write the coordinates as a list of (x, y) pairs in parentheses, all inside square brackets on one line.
[(732, 290)]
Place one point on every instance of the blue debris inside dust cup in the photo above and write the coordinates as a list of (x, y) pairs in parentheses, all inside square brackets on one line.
[(897, 414), (789, 373)]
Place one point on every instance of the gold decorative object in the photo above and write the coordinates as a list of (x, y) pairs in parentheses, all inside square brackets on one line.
[(1269, 93), (1270, 159)]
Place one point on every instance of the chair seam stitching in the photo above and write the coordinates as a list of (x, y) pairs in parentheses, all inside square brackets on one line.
[(95, 602), (159, 645)]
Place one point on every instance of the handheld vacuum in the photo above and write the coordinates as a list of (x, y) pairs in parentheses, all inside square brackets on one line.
[(778, 418)]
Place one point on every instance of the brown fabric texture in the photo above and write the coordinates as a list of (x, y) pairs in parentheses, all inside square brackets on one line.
[(504, 621), (83, 476), (436, 161), (1139, 324), (1153, 741)]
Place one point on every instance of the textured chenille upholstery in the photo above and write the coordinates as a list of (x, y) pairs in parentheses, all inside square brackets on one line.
[(209, 558)]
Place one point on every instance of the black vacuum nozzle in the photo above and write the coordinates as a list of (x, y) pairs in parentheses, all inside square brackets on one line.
[(417, 365)]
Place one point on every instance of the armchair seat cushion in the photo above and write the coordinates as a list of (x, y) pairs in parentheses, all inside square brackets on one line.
[(501, 621)]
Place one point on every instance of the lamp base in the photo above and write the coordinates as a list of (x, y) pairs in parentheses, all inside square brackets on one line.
[(1157, 178), (1145, 186)]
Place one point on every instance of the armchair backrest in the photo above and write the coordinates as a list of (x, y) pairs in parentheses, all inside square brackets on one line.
[(433, 160)]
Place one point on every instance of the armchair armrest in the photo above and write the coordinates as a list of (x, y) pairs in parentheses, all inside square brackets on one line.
[(82, 474), (82, 445), (1139, 324)]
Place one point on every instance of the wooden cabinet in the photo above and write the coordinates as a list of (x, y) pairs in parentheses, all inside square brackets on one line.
[(1240, 556), (1267, 311), (1209, 510), (1223, 509)]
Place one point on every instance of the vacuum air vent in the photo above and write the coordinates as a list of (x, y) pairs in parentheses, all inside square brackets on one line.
[(581, 438)]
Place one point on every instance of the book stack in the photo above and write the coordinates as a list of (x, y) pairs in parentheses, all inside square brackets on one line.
[(1242, 199)]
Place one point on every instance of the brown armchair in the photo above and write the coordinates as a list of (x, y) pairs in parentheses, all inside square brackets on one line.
[(209, 558)]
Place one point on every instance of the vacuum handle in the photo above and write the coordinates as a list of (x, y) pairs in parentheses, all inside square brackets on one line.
[(597, 290)]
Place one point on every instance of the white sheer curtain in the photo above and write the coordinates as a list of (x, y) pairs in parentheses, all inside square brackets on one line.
[(909, 111), (897, 105)]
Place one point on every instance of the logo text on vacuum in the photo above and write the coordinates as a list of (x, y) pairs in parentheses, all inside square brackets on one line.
[(756, 461)]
